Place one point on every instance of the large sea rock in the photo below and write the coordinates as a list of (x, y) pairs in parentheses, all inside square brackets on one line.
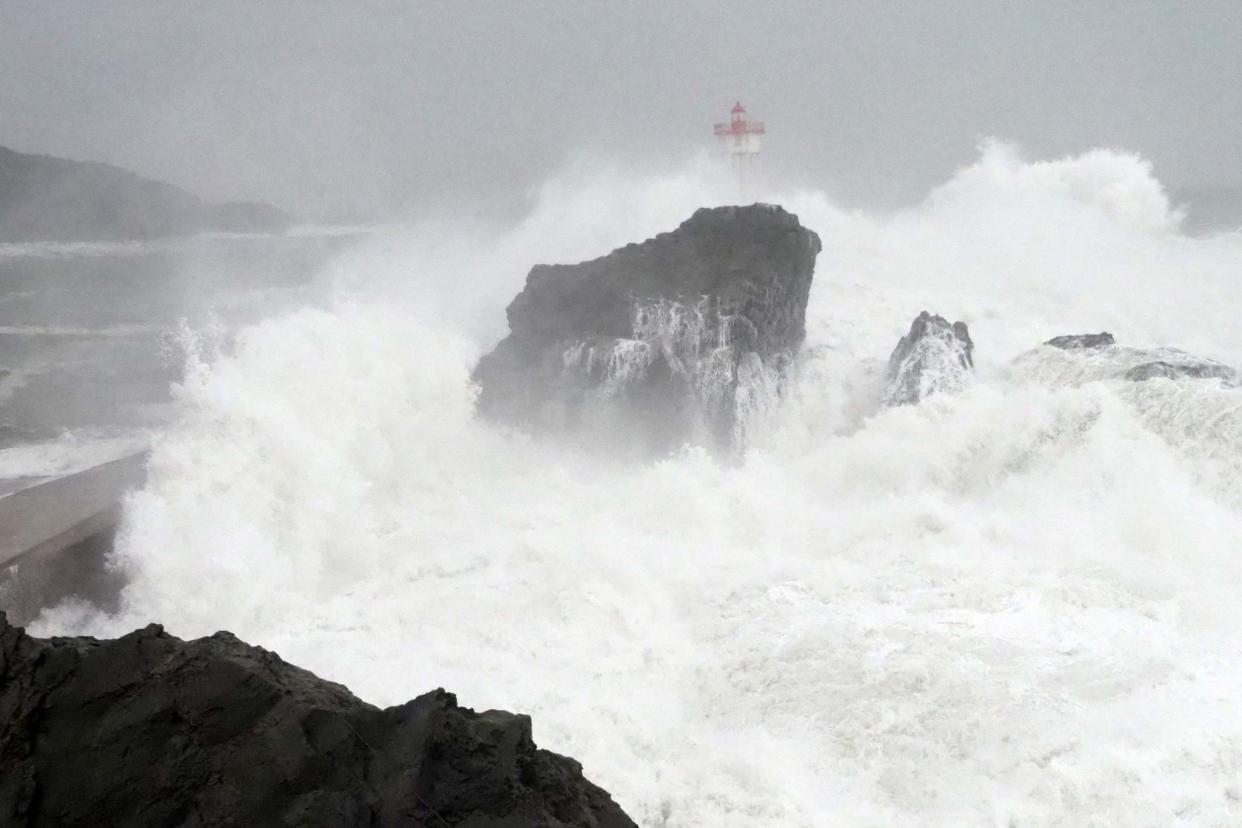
[(150, 730), (681, 338), (935, 357)]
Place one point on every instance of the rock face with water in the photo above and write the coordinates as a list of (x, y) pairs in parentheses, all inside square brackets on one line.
[(679, 338), (150, 730), (934, 357)]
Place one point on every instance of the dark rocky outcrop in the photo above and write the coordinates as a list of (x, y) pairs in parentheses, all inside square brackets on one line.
[(934, 357), (1184, 369), (43, 198), (676, 338), (1081, 341), (149, 730)]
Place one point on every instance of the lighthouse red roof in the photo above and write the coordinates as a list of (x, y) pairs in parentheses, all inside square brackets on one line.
[(739, 124)]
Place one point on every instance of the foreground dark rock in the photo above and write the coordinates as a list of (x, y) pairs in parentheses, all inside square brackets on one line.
[(934, 357), (149, 730), (1081, 341), (43, 198), (676, 338)]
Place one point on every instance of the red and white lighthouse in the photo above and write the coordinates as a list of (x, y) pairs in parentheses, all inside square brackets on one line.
[(741, 138)]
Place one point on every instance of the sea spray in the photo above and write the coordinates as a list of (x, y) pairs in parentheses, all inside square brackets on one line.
[(1011, 605)]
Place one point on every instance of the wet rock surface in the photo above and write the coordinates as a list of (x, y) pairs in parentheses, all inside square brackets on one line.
[(1081, 341), (150, 730), (1184, 369), (678, 338), (1092, 357), (934, 357)]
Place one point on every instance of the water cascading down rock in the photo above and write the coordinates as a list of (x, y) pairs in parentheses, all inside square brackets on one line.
[(687, 337)]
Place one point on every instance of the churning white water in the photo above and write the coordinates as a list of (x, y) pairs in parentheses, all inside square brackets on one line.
[(1013, 605)]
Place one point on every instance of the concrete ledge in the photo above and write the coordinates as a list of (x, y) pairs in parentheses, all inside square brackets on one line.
[(55, 536), (53, 515)]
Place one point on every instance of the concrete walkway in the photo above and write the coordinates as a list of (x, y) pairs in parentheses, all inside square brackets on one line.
[(51, 516)]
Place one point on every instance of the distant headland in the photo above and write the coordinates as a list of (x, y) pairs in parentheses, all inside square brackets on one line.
[(43, 198)]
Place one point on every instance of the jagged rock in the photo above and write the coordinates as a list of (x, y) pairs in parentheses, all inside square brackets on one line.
[(1081, 341), (676, 338), (933, 358), (1179, 370), (150, 730)]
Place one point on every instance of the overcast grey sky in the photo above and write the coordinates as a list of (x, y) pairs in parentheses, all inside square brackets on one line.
[(371, 106)]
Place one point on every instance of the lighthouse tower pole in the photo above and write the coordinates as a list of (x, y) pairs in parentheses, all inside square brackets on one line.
[(741, 139)]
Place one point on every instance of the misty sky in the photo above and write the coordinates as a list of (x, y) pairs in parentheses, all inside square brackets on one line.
[(331, 108)]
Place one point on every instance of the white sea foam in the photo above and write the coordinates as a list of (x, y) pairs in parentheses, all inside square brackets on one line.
[(1014, 605)]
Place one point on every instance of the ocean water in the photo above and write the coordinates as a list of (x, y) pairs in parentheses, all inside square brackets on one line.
[(1015, 605), (92, 335)]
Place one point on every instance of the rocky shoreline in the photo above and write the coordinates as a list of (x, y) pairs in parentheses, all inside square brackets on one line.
[(150, 730)]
